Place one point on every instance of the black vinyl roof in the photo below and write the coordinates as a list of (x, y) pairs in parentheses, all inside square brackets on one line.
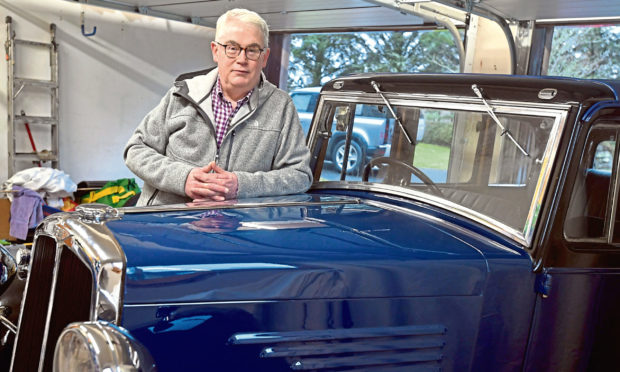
[(494, 87)]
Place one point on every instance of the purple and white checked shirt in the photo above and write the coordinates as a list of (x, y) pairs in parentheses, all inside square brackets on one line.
[(223, 110)]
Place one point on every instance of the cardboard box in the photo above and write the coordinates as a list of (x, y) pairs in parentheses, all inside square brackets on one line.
[(5, 214)]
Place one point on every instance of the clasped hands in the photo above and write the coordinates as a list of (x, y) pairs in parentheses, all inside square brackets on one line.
[(211, 183)]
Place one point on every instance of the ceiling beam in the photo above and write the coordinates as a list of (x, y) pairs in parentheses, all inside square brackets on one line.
[(146, 10)]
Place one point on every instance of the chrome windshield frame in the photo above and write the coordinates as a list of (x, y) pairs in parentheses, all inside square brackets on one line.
[(557, 112)]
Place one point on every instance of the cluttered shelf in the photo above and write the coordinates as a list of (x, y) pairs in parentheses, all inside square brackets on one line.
[(34, 193)]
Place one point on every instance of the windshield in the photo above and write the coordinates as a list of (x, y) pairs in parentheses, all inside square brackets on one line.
[(460, 157)]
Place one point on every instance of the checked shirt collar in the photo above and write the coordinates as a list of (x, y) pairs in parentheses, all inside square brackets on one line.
[(223, 110)]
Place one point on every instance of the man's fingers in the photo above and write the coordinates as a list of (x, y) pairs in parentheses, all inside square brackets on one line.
[(209, 189), (217, 186), (209, 199), (202, 177), (208, 177), (209, 167), (212, 177), (217, 169)]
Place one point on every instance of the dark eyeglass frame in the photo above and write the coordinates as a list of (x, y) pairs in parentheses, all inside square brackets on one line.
[(231, 54)]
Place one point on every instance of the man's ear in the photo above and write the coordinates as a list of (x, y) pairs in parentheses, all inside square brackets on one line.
[(214, 51), (266, 56)]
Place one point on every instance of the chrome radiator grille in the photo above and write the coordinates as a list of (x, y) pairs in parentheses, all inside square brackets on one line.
[(54, 298), (77, 274), (30, 337)]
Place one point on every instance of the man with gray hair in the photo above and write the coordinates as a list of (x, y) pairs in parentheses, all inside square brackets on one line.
[(224, 134)]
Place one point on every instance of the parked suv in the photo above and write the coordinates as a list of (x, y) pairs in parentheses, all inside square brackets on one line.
[(370, 136)]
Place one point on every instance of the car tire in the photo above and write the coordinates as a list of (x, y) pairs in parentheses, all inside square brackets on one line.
[(356, 156)]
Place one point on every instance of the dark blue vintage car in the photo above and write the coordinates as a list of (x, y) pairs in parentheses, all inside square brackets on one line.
[(492, 243)]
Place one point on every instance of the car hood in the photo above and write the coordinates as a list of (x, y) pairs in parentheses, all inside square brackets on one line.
[(298, 247)]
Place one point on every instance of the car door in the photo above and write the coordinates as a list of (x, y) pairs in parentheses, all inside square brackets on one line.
[(576, 316)]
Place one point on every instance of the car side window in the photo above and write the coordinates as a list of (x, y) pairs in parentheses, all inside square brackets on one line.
[(370, 129), (604, 156), (589, 211), (371, 110), (304, 102)]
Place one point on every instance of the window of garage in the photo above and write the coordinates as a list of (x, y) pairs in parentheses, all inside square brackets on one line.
[(585, 51), (319, 57)]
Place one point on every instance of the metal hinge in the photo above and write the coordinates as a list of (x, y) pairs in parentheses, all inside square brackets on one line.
[(543, 283)]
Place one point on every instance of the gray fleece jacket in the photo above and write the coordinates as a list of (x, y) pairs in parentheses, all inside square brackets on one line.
[(264, 144)]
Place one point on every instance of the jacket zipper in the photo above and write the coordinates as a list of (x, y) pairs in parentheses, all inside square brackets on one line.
[(152, 197), (232, 140), (206, 119)]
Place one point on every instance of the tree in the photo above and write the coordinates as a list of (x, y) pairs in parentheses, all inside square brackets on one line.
[(585, 52), (393, 51), (316, 58), (440, 52), (420, 51)]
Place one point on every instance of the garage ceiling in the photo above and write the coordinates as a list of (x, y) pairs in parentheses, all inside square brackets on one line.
[(312, 15)]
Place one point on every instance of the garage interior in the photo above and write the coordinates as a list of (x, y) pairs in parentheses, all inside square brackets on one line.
[(116, 59)]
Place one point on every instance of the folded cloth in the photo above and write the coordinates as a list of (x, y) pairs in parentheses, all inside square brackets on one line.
[(26, 211), (49, 182)]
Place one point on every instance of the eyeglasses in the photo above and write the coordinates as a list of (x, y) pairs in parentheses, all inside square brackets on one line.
[(252, 52)]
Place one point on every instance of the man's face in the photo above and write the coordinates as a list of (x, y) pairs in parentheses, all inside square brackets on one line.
[(239, 74)]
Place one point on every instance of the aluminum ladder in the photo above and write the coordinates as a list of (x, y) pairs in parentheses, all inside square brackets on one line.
[(22, 86)]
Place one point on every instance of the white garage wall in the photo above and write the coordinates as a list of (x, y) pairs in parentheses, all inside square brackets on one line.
[(108, 81)]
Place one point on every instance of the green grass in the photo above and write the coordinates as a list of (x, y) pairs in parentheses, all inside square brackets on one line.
[(431, 156)]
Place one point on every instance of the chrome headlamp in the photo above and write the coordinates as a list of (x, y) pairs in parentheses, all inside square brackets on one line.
[(100, 346)]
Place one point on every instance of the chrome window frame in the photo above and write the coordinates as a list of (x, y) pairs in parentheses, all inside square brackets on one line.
[(557, 112), (607, 236)]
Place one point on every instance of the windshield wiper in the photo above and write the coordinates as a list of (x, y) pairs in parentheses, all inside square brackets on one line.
[(402, 127), (505, 130)]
